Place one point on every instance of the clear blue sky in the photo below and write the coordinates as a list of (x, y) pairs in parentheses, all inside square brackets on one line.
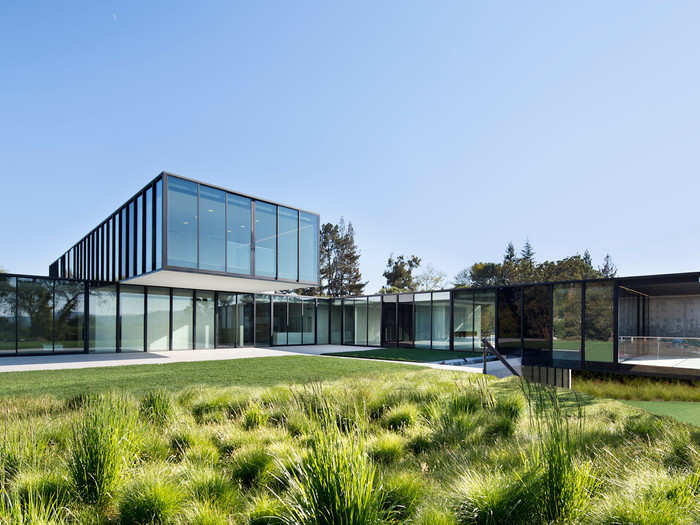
[(443, 129)]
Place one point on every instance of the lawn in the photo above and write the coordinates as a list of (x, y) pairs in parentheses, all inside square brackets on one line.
[(372, 444), (687, 412), (259, 372), (417, 355)]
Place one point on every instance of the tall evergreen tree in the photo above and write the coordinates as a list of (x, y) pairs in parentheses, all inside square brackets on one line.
[(399, 274), (608, 269)]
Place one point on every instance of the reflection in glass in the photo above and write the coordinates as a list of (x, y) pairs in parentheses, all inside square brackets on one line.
[(484, 317), (308, 247), (288, 244), (227, 321), (389, 321), (182, 223), (131, 308), (149, 230), (265, 239), (324, 307), (599, 322), (374, 321), (34, 317), (537, 312), (212, 229), (464, 320), (8, 311), (336, 322), (441, 320), (103, 319), (295, 321), (204, 302), (182, 319), (159, 224), (423, 312), (509, 319), (406, 320), (69, 316), (348, 322), (238, 234), (567, 321), (279, 320), (262, 320), (309, 321), (246, 318), (158, 326), (361, 321)]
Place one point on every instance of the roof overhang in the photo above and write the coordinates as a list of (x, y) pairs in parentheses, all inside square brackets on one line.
[(204, 281)]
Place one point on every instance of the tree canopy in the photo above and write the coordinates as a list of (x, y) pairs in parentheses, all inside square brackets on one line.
[(399, 274)]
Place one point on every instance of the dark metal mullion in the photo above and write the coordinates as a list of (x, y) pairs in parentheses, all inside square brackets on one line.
[(154, 221), (142, 198), (194, 318), (127, 241)]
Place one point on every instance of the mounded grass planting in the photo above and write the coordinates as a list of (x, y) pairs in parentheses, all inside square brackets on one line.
[(402, 446)]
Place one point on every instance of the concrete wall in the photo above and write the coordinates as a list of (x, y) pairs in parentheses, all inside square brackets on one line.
[(545, 375), (674, 316)]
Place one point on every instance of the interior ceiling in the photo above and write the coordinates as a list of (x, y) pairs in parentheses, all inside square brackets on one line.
[(662, 286), (203, 281)]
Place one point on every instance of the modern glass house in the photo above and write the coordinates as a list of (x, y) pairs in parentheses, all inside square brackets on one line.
[(186, 265)]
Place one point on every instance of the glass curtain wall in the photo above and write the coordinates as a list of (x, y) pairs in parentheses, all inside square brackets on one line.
[(484, 317), (389, 333), (265, 239), (279, 320), (374, 321), (440, 321), (69, 316), (537, 318), (212, 229), (509, 320), (406, 320), (308, 246), (158, 326), (566, 323), (34, 315), (323, 320), (464, 320), (103, 319), (131, 312), (159, 225), (204, 320), (182, 223), (598, 326), (295, 326), (238, 234), (246, 319), (361, 321), (229, 331), (8, 314), (262, 320), (336, 322), (288, 244), (309, 321), (183, 319), (423, 320), (348, 322)]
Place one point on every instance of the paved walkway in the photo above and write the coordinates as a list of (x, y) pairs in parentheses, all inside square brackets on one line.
[(68, 361)]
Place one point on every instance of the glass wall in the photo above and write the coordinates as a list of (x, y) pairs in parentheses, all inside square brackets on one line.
[(262, 320), (288, 244), (204, 320), (323, 315), (158, 326), (35, 315), (183, 319), (246, 318), (265, 239), (566, 323), (8, 311), (308, 247), (69, 316), (279, 320), (509, 320), (537, 318), (309, 321), (361, 321), (423, 320), (182, 223), (229, 331), (149, 229), (238, 234), (405, 317), (348, 322), (599, 322), (374, 321), (440, 320), (484, 317), (463, 320), (295, 326), (159, 225), (103, 319), (389, 321), (212, 229), (336, 322), (131, 310)]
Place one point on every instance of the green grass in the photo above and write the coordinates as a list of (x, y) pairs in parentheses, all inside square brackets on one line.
[(138, 379), (687, 412), (416, 355)]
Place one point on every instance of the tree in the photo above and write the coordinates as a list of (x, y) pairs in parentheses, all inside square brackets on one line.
[(339, 260), (399, 274), (480, 274), (608, 269), (431, 279)]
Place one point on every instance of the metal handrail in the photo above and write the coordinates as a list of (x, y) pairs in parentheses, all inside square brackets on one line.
[(487, 344)]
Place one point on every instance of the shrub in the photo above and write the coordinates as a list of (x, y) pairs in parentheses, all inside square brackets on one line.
[(255, 417), (400, 416), (401, 494), (251, 466), (157, 407), (150, 500), (42, 487), (335, 483), (387, 448), (101, 446)]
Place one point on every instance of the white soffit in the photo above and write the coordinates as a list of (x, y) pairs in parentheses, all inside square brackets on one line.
[(203, 281)]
